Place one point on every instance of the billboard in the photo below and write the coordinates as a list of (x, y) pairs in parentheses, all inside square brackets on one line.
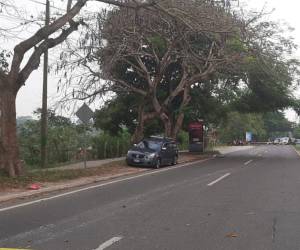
[(248, 136)]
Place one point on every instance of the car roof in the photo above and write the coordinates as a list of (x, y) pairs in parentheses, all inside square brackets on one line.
[(160, 139)]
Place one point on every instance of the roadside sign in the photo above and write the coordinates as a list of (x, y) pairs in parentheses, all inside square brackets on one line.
[(248, 136), (84, 113)]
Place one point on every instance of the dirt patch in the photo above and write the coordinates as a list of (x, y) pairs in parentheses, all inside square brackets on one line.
[(58, 176)]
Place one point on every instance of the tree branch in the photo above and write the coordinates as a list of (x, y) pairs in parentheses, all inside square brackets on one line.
[(45, 32), (42, 34), (180, 87), (128, 86), (34, 61), (132, 5)]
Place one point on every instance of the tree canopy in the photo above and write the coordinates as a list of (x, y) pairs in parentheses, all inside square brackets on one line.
[(179, 67)]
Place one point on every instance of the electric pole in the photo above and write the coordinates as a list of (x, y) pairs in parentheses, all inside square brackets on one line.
[(44, 115)]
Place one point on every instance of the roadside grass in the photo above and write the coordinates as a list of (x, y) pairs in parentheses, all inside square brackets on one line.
[(56, 175), (297, 147), (40, 176)]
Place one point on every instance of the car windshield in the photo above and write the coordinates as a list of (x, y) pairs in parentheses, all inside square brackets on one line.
[(154, 145)]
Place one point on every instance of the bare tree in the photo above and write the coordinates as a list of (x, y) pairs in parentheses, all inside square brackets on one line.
[(12, 79), (159, 55)]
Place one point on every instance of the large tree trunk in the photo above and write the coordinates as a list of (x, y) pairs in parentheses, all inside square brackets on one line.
[(142, 118), (186, 98), (139, 130), (178, 125), (9, 150), (167, 121), (173, 126)]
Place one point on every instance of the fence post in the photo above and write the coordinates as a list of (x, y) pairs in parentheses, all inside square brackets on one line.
[(118, 148), (105, 147)]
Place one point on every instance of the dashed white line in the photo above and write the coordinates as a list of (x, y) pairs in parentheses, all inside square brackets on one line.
[(108, 243), (219, 179), (248, 162)]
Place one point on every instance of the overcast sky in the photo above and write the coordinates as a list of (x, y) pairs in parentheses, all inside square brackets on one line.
[(29, 97)]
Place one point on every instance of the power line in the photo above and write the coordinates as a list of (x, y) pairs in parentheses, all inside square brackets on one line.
[(54, 7), (15, 18)]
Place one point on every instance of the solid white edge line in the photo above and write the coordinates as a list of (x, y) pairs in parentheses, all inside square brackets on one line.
[(296, 151), (101, 185), (108, 243), (248, 162), (219, 179)]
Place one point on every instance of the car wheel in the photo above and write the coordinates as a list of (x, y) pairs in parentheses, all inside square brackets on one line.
[(175, 160), (157, 164)]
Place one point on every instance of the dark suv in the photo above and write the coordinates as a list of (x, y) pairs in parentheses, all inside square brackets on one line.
[(154, 152)]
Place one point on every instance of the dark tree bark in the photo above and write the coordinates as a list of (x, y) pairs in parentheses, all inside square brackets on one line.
[(9, 150), (142, 119)]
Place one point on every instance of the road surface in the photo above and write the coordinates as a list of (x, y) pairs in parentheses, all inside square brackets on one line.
[(247, 200)]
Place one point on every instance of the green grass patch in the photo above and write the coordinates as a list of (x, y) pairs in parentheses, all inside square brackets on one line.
[(297, 147)]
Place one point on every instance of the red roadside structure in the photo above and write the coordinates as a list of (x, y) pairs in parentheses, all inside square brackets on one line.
[(196, 136)]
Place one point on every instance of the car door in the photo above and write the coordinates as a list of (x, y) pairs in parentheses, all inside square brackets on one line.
[(173, 151), (165, 153)]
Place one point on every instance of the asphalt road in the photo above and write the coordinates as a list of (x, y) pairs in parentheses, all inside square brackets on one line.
[(247, 200)]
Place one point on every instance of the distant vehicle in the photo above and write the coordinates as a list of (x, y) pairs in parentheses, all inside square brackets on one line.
[(154, 152), (276, 141), (297, 141), (284, 140)]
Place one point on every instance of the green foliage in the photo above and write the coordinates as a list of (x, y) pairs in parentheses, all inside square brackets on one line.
[(183, 140), (263, 126), (159, 44), (63, 142), (235, 44), (106, 146), (118, 112), (236, 125), (29, 140), (276, 124), (66, 139), (296, 132)]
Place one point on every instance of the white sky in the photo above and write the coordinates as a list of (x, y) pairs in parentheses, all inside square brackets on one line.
[(29, 97)]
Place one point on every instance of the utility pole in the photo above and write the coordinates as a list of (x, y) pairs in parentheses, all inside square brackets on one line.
[(44, 115)]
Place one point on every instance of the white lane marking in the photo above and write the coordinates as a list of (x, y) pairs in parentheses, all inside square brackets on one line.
[(219, 179), (102, 185), (108, 243), (296, 151), (248, 162)]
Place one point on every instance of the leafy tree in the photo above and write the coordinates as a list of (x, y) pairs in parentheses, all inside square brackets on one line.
[(158, 56), (276, 124), (236, 125), (187, 68), (64, 137)]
